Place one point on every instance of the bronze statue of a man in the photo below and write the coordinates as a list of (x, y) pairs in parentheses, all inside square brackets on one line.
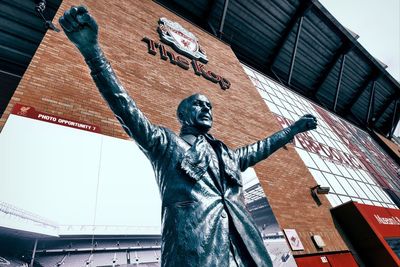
[(204, 220)]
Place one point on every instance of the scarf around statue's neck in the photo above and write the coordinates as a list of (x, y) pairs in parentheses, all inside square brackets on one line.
[(196, 161)]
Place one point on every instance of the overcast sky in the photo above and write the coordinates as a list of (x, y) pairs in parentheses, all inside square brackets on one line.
[(378, 24)]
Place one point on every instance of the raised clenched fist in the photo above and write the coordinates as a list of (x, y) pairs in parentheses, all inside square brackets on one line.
[(305, 123), (81, 28)]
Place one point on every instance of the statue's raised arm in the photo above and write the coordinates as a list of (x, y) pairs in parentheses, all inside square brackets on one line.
[(82, 30), (252, 154)]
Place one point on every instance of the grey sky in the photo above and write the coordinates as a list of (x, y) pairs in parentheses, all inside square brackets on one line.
[(378, 24)]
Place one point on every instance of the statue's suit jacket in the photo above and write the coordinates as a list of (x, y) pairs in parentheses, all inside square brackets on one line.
[(199, 198)]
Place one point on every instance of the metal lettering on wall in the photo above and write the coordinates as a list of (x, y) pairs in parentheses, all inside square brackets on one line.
[(185, 43)]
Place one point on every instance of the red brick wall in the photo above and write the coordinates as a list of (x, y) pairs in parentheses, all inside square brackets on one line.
[(58, 82)]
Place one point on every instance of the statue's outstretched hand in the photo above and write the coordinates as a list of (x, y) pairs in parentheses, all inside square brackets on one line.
[(81, 28), (305, 123)]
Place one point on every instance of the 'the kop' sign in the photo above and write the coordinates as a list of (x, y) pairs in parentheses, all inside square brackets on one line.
[(185, 43)]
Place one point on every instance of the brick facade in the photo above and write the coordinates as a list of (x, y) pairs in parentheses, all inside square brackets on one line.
[(58, 82)]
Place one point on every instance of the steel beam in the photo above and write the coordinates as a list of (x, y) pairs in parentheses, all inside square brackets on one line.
[(295, 50), (343, 50), (339, 82), (207, 15), (222, 22), (371, 103), (384, 107), (33, 253), (393, 125), (373, 77), (301, 11)]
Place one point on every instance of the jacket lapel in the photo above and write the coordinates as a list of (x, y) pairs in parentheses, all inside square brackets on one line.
[(229, 165)]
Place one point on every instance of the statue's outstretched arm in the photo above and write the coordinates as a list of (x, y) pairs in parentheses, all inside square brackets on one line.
[(252, 154), (82, 30)]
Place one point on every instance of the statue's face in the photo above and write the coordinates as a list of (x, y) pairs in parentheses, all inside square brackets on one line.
[(199, 112)]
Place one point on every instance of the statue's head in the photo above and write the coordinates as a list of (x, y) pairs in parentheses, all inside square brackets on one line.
[(196, 111)]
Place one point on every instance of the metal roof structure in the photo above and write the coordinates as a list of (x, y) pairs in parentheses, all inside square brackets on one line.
[(300, 44), (21, 31), (296, 42)]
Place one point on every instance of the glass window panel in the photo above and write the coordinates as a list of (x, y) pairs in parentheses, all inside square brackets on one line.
[(317, 137), (260, 78), (297, 110), (320, 130), (267, 97), (294, 116), (343, 170), (334, 183), (272, 84), (288, 106), (361, 176), (344, 148), (283, 90), (255, 81), (285, 113), (334, 144), (384, 195), (306, 103), (368, 202), (319, 178), (332, 135), (323, 130), (306, 158), (375, 190), (377, 196), (280, 95), (264, 94), (366, 176), (290, 100), (343, 182), (248, 71), (353, 174), (323, 124), (364, 188), (326, 139), (344, 199), (334, 200), (358, 200), (377, 204), (277, 101), (361, 192), (357, 188), (368, 192), (320, 162), (269, 90), (297, 101), (273, 107), (333, 168), (329, 142)]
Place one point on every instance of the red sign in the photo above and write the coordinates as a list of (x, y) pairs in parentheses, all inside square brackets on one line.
[(30, 112), (384, 221)]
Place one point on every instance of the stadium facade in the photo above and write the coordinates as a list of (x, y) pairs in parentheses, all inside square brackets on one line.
[(65, 157)]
